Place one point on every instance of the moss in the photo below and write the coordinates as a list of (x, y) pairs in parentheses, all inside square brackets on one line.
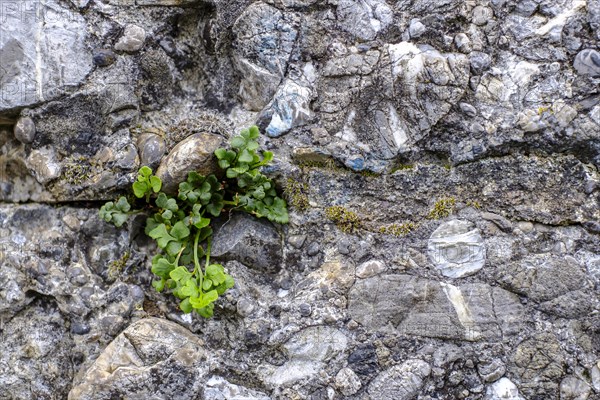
[(398, 229), (115, 268), (296, 193), (346, 220), (474, 203), (442, 208), (78, 170), (402, 167)]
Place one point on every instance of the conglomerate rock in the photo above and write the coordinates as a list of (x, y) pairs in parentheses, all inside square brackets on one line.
[(462, 136)]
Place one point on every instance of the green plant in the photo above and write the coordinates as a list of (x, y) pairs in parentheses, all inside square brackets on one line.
[(296, 193), (181, 226), (348, 221), (398, 229), (442, 208)]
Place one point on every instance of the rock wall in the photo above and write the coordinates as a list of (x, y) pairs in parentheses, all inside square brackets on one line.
[(440, 159)]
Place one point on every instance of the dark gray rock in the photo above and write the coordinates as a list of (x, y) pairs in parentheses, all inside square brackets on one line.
[(251, 241)]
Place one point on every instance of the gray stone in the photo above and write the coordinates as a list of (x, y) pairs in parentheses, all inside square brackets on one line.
[(43, 164), (468, 109), (491, 371), (104, 57), (416, 28), (369, 269), (35, 356), (482, 15), (499, 220), (307, 350), (33, 71), (24, 130), (364, 19), (401, 382), (574, 388), (347, 382), (480, 62), (151, 149), (218, 388), (132, 40), (151, 358), (251, 241), (503, 389), (263, 41), (456, 249), (194, 153), (587, 62)]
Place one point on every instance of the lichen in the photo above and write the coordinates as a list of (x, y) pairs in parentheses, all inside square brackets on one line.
[(296, 193), (115, 268), (442, 208), (398, 229), (346, 220)]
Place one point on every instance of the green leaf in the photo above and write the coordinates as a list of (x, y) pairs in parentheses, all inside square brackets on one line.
[(206, 284), (159, 285), (180, 274), (185, 306), (190, 288), (254, 132), (155, 183), (161, 236), (180, 231), (162, 267), (206, 312), (140, 189), (221, 153), (246, 156), (267, 157), (203, 222), (238, 142)]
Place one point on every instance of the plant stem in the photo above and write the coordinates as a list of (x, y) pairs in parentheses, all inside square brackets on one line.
[(196, 262)]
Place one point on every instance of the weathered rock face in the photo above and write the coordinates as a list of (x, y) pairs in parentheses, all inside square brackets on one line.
[(152, 357), (464, 136)]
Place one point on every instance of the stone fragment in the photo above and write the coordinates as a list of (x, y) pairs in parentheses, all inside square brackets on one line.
[(492, 371), (347, 382), (456, 249), (104, 57), (401, 382), (43, 164), (574, 388), (482, 15), (218, 388), (364, 19), (503, 389), (416, 28), (263, 41), (132, 40), (369, 269), (587, 62), (253, 242), (194, 153), (36, 39), (152, 357), (307, 350), (24, 130), (151, 149)]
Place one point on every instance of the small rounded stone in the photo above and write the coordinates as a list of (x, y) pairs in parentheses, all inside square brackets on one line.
[(104, 57), (481, 15), (24, 130), (587, 62)]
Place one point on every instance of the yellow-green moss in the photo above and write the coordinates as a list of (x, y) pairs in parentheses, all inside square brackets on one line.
[(296, 193), (398, 229), (474, 204), (346, 220), (442, 208), (115, 268)]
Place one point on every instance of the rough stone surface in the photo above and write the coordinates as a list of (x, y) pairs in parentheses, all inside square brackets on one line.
[(152, 357), (253, 242), (381, 107)]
